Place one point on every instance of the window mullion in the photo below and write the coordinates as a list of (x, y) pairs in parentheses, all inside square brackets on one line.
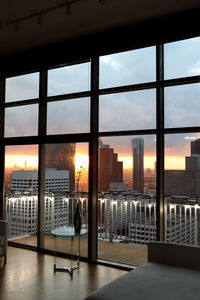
[(93, 165), (160, 143), (2, 149), (41, 168)]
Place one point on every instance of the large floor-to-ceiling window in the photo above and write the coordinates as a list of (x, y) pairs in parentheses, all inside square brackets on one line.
[(182, 152), (117, 133), (127, 155)]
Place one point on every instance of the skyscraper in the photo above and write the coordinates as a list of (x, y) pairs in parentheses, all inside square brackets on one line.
[(138, 165), (62, 157), (110, 169), (195, 147), (185, 182), (27, 180)]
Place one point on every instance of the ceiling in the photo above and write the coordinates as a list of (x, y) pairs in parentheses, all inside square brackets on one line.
[(87, 17)]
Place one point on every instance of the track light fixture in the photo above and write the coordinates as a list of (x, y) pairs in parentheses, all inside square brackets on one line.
[(67, 4)]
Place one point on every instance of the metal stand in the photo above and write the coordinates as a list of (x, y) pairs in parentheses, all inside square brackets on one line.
[(70, 270)]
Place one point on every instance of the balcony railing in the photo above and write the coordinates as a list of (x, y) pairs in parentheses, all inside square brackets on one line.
[(124, 218)]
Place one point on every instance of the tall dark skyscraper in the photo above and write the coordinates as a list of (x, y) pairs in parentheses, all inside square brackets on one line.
[(62, 157), (185, 182), (138, 165), (110, 169), (195, 147)]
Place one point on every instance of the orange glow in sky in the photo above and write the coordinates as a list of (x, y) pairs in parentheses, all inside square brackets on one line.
[(174, 163), (21, 160), (30, 161), (81, 160), (149, 161)]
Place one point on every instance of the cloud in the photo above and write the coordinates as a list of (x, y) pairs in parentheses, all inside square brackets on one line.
[(191, 138), (114, 64), (179, 144), (129, 67), (195, 69), (68, 116), (181, 57), (69, 79), (128, 111), (21, 120), (182, 105), (22, 87), (123, 111)]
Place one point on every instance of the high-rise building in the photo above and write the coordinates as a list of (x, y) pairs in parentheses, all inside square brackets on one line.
[(110, 169), (135, 220), (23, 208), (185, 182), (195, 147), (26, 180), (62, 157), (138, 165), (180, 231), (23, 213)]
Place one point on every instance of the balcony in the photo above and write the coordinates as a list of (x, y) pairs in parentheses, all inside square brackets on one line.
[(126, 223)]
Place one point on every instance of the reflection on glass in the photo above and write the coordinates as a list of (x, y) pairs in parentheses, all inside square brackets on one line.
[(21, 187), (130, 67), (182, 105), (127, 198), (69, 116), (127, 111), (22, 87), (69, 79), (182, 58), (21, 120), (66, 183), (182, 188)]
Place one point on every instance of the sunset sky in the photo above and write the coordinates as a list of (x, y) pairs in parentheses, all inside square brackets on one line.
[(122, 145), (81, 159), (172, 162)]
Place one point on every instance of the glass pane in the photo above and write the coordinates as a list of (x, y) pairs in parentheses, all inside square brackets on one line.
[(127, 198), (22, 87), (182, 105), (21, 190), (21, 120), (70, 79), (182, 58), (182, 188), (66, 184), (69, 116), (130, 67), (127, 111)]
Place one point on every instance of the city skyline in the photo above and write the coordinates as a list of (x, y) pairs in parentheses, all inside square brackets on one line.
[(175, 161)]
